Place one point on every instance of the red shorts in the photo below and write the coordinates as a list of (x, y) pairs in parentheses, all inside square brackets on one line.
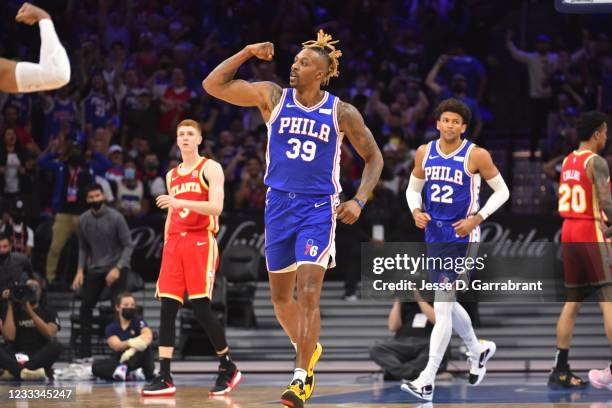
[(189, 263), (586, 253)]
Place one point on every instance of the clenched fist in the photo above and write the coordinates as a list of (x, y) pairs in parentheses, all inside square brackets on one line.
[(30, 14), (263, 51)]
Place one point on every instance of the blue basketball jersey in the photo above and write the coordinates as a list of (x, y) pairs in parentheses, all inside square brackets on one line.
[(303, 153), (451, 191)]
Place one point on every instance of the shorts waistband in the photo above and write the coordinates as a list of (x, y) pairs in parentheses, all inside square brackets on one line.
[(292, 194)]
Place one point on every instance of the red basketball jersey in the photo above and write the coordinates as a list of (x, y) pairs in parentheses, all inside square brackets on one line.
[(576, 193), (190, 185)]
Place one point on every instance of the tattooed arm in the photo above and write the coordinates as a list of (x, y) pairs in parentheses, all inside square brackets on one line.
[(221, 84), (352, 125), (600, 174)]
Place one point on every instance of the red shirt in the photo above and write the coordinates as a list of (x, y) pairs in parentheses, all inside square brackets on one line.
[(577, 197), (190, 185), (182, 94)]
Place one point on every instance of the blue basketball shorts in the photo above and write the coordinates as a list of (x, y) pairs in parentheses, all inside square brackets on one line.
[(300, 229), (443, 242)]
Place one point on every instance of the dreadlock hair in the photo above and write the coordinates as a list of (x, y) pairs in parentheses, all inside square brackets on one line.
[(325, 47)]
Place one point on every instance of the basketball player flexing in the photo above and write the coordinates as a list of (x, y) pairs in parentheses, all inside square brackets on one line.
[(53, 69), (190, 257), (306, 126), (450, 170), (585, 205)]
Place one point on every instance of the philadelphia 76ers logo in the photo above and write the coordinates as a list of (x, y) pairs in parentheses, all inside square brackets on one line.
[(311, 248)]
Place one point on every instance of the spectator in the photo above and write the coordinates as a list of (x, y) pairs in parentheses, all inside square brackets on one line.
[(97, 106), (61, 115), (604, 90), (174, 102), (23, 136), (20, 235), (470, 67), (457, 89), (72, 175), (115, 173), (129, 338), (140, 120), (540, 65), (105, 250), (405, 356), (13, 157), (30, 327), (130, 193), (250, 197), (153, 182)]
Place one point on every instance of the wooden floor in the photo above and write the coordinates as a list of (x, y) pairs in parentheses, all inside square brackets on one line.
[(334, 390)]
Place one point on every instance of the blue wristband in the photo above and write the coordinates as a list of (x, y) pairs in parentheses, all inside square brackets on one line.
[(361, 203)]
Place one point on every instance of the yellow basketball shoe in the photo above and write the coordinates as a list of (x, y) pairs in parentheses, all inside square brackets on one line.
[(309, 385), (294, 396)]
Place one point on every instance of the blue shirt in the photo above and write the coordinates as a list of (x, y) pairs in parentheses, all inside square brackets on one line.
[(303, 153), (451, 191), (133, 330)]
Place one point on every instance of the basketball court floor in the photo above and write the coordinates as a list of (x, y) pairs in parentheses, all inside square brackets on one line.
[(333, 390)]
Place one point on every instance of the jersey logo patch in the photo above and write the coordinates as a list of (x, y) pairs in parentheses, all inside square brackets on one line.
[(194, 173), (325, 111), (290, 105), (459, 158), (433, 157)]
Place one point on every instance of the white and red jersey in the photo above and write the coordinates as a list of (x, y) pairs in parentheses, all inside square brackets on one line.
[(190, 184), (577, 196)]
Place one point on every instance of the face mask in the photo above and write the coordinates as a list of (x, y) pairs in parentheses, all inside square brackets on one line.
[(17, 218), (3, 257), (128, 313), (458, 87), (96, 205), (129, 174), (74, 160)]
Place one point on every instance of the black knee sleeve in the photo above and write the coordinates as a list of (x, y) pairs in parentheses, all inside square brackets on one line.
[(167, 323), (205, 316)]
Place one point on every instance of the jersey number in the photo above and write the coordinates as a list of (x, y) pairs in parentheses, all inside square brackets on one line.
[(184, 213), (308, 148), (447, 192), (572, 197)]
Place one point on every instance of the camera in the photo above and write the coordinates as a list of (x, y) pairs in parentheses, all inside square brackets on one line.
[(23, 294)]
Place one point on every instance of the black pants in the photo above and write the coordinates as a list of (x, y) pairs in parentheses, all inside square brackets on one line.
[(42, 358), (104, 368), (402, 358), (93, 286)]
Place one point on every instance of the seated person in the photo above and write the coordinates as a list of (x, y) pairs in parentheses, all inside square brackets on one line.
[(30, 328), (406, 355), (130, 339)]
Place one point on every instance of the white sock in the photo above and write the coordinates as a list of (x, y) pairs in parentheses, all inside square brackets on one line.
[(299, 374), (440, 337), (462, 324)]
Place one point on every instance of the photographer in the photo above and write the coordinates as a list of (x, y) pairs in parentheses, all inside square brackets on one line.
[(130, 339), (30, 328), (105, 250)]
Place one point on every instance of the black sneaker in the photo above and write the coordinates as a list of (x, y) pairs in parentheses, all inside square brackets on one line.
[(160, 386), (565, 379), (227, 380)]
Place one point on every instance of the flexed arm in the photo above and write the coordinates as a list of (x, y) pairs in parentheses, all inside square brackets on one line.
[(221, 84)]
